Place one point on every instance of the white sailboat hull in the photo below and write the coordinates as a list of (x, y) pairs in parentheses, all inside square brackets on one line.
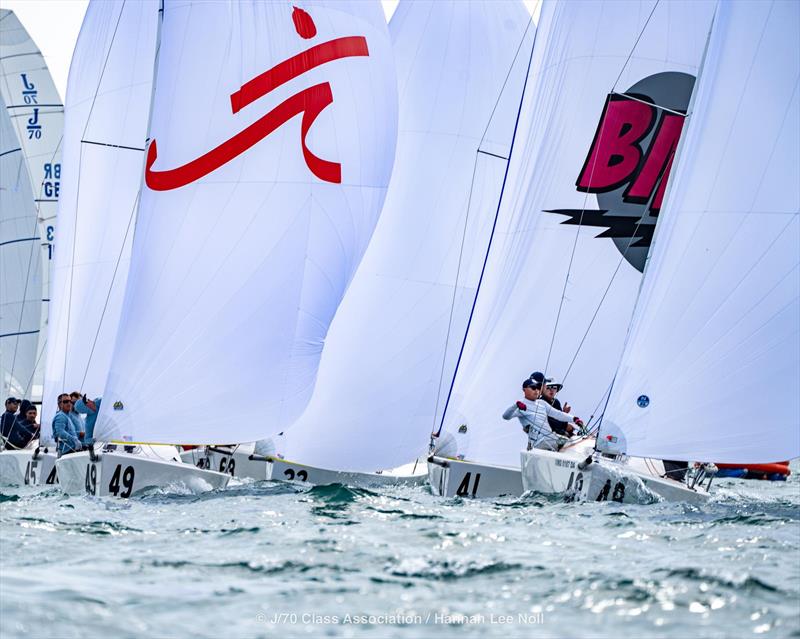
[(457, 478), (121, 474), (242, 463), (601, 480), (236, 464), (19, 468), (408, 475)]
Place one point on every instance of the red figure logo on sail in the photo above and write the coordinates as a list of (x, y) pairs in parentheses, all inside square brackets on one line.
[(310, 102)]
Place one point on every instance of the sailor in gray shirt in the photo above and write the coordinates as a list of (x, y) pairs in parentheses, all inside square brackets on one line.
[(533, 413)]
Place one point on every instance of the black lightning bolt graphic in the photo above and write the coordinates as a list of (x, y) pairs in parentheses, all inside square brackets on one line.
[(617, 226)]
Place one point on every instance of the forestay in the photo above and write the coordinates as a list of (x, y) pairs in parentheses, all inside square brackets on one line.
[(609, 82), (107, 109), (378, 392), (20, 266), (272, 141), (711, 370), (37, 116)]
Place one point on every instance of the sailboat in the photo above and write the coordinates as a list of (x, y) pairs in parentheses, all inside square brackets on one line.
[(717, 322), (20, 298), (255, 211), (37, 117), (563, 271), (108, 100), (377, 394)]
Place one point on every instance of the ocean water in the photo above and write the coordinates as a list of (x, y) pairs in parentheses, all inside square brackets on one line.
[(274, 559)]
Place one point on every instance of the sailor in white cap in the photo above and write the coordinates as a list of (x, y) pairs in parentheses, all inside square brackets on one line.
[(549, 392), (533, 413)]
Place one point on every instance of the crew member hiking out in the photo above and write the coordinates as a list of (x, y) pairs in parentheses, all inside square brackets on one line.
[(533, 413)]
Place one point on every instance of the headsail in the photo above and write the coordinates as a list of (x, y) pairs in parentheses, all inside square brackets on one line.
[(272, 142), (107, 109), (562, 274), (460, 70), (37, 116), (20, 266), (711, 369)]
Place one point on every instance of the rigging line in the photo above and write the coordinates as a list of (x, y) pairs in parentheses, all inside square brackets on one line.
[(585, 199), (110, 288), (466, 222), (634, 234), (455, 292), (633, 48), (508, 75), (36, 364), (78, 189), (44, 265), (491, 236)]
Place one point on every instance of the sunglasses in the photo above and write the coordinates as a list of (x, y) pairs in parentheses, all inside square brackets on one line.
[(66, 401)]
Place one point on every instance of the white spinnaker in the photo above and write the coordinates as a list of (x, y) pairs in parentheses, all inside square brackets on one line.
[(20, 266), (714, 342), (37, 115), (107, 108), (583, 52), (239, 263), (460, 68)]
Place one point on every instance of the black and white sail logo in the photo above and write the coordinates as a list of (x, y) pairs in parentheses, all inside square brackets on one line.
[(629, 162)]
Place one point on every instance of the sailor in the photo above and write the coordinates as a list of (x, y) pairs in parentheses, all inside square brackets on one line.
[(549, 393), (25, 429), (90, 408), (66, 425), (538, 377), (9, 417), (75, 396), (533, 413)]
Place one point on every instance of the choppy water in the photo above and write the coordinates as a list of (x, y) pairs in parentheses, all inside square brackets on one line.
[(274, 559)]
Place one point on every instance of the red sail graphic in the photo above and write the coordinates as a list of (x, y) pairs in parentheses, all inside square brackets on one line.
[(310, 102)]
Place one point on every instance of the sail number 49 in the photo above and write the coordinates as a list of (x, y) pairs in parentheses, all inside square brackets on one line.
[(127, 481)]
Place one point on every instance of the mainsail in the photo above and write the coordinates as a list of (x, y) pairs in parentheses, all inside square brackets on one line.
[(460, 68), (272, 141), (20, 266), (711, 369), (608, 85), (107, 110), (37, 116)]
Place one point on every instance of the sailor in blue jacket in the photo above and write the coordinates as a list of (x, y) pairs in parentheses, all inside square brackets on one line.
[(90, 408), (66, 426)]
